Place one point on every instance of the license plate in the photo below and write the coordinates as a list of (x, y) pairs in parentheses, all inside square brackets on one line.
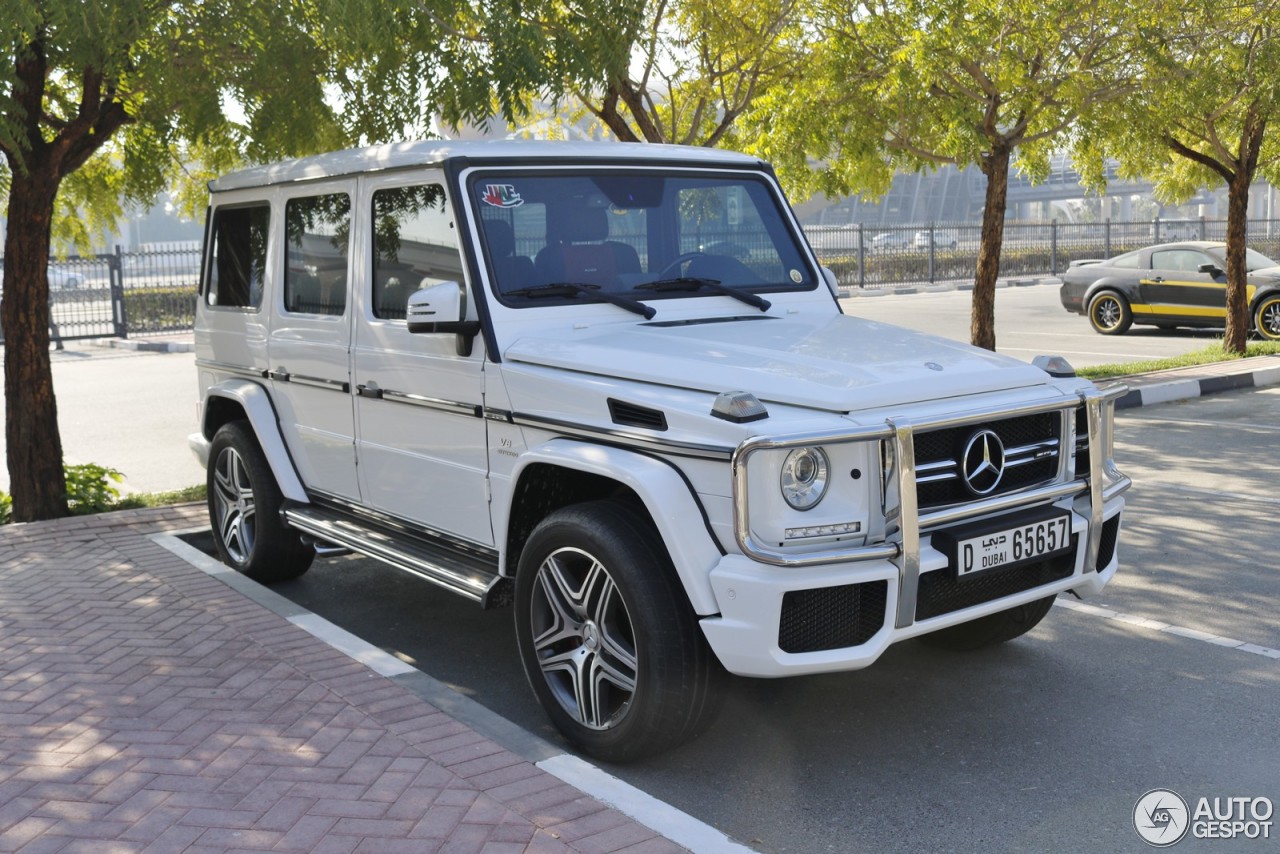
[(1005, 547)]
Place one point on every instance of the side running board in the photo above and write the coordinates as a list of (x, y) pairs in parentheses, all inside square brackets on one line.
[(469, 575)]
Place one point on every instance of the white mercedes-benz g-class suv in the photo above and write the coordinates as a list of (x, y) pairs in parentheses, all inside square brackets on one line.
[(612, 386)]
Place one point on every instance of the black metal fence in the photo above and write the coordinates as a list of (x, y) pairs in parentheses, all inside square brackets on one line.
[(864, 256), (119, 294)]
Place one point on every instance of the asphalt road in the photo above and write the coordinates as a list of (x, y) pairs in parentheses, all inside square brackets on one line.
[(1044, 744), (1030, 321)]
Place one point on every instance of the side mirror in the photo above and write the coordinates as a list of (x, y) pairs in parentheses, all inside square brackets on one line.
[(440, 308), (1211, 269)]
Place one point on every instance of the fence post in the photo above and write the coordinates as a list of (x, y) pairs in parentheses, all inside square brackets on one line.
[(1106, 238), (115, 274), (1202, 228), (1053, 247), (931, 268), (862, 260)]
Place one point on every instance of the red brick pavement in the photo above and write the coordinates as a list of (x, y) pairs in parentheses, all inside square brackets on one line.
[(146, 706)]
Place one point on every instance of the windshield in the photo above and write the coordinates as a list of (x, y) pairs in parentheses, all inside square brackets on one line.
[(641, 234)]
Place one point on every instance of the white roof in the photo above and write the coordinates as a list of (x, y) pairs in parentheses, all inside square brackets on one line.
[(403, 155)]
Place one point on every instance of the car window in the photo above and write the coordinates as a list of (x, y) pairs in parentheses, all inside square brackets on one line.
[(317, 236), (1182, 260), (237, 256), (415, 243), (1130, 260)]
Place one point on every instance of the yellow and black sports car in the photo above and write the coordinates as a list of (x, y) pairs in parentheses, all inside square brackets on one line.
[(1168, 285)]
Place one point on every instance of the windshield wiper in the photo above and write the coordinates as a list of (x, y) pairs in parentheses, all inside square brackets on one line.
[(593, 292), (697, 283)]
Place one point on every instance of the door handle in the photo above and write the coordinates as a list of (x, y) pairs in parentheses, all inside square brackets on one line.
[(370, 391)]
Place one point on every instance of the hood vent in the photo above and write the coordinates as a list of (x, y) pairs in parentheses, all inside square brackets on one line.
[(632, 415)]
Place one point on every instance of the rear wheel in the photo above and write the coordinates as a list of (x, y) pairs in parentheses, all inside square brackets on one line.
[(991, 629), (608, 641), (1266, 317), (1109, 313), (244, 509)]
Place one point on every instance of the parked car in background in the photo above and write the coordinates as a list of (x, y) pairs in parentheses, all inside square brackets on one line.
[(890, 240), (941, 239), (60, 278), (1168, 285)]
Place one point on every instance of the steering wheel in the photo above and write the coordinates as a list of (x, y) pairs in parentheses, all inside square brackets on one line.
[(673, 268)]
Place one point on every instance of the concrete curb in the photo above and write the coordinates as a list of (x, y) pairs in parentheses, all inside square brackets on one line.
[(146, 346), (1187, 384), (943, 287)]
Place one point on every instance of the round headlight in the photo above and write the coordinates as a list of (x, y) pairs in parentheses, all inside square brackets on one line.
[(804, 477)]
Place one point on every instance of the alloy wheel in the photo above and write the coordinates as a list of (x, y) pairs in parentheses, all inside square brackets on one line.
[(234, 505)]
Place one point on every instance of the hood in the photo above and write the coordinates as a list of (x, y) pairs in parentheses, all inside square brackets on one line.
[(836, 363), (1266, 272)]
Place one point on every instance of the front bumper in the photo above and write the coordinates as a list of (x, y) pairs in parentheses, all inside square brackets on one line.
[(843, 616)]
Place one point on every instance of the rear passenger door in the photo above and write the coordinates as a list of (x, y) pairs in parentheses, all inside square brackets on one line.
[(419, 405), (310, 343)]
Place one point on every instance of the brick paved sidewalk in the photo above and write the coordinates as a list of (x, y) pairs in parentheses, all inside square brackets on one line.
[(146, 706)]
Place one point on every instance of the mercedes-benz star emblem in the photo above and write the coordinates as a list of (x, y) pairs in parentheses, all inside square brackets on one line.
[(983, 462)]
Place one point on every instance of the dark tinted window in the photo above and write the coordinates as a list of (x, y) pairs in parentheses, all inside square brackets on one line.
[(317, 234), (238, 257), (414, 244)]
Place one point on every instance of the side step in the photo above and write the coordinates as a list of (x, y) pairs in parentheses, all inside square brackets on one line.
[(470, 575)]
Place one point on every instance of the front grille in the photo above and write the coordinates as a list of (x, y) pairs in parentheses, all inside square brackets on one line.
[(1107, 544), (831, 617), (941, 592), (1032, 445)]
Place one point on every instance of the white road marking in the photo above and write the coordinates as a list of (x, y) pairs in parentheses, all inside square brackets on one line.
[(1180, 631), (674, 824)]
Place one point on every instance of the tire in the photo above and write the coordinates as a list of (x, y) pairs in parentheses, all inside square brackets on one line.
[(607, 638), (1266, 317), (1109, 313), (244, 510), (992, 629)]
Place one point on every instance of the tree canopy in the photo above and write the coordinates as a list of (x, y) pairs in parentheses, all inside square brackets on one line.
[(913, 84)]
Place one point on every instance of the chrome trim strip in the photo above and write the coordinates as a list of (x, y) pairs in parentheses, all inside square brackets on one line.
[(621, 437), (1093, 415), (473, 410), (242, 370), (318, 382), (904, 451)]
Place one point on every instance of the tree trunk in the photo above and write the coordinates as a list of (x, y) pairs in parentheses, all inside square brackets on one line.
[(982, 320), (1238, 321), (37, 483)]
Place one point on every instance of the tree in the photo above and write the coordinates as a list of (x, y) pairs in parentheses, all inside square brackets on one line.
[(914, 84), (667, 71), (1206, 114), (112, 99)]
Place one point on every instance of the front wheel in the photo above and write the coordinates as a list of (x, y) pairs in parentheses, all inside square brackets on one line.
[(1266, 317), (991, 629), (607, 638), (244, 510), (1109, 313)]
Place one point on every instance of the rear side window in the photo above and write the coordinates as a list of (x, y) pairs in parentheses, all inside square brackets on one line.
[(414, 244), (317, 237), (238, 256)]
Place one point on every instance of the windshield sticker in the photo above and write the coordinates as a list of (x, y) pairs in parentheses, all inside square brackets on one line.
[(501, 196), (797, 276)]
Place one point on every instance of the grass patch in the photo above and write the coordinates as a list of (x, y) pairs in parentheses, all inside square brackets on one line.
[(1205, 356), (162, 499)]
